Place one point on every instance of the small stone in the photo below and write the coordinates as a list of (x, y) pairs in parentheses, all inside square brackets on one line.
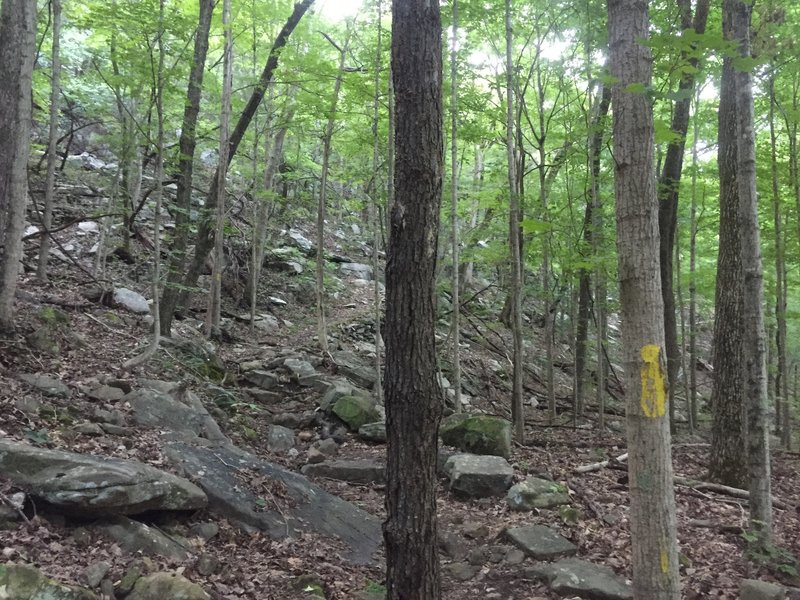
[(82, 537), (452, 545), (515, 556), (305, 436), (130, 578), (373, 432), (94, 574), (90, 429), (475, 531), (478, 556), (328, 446), (279, 438), (461, 571), (289, 420), (205, 531), (314, 456), (207, 564)]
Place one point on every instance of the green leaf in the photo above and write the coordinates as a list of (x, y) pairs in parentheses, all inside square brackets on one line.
[(535, 226)]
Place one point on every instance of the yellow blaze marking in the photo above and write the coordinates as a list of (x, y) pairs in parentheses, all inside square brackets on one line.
[(654, 393), (664, 562)]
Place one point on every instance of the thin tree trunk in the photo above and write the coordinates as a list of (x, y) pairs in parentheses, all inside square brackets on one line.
[(653, 526), (692, 272), (17, 51), (456, 314), (413, 397), (753, 287), (517, 406), (50, 182), (186, 149), (322, 327), (215, 295), (373, 208)]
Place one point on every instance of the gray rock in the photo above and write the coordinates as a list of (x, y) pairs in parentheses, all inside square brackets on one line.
[(540, 542), (353, 471), (106, 393), (132, 301), (23, 582), (117, 430), (461, 571), (205, 531), (328, 446), (279, 439), (300, 241), (478, 476), (753, 589), (181, 412), (166, 586), (373, 432), (308, 507), (46, 385), (29, 405), (352, 367), (356, 411), (515, 556), (92, 429), (207, 564), (357, 270), (266, 323), (137, 537), (94, 573), (480, 434), (314, 456), (335, 390), (263, 379), (288, 420), (572, 576), (300, 369), (85, 484), (536, 493)]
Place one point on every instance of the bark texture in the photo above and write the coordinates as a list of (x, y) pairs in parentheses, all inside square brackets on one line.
[(413, 400), (654, 545), (17, 49)]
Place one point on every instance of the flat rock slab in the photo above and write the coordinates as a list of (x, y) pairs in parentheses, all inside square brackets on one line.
[(86, 484), (753, 589), (46, 385), (353, 471), (138, 537), (478, 476), (577, 577), (223, 473), (23, 582), (181, 412), (540, 542)]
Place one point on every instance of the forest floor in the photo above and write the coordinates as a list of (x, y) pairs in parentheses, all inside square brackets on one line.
[(97, 340)]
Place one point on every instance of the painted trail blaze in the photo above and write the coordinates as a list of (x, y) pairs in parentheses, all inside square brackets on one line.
[(654, 392)]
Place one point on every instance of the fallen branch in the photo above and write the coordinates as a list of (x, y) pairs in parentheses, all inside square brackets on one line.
[(723, 489), (720, 527), (601, 465)]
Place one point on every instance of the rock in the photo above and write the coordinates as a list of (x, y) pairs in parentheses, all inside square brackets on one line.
[(452, 545), (461, 571), (132, 301), (353, 471), (351, 366), (540, 542), (29, 405), (251, 365), (94, 573), (753, 589), (309, 584), (277, 301), (301, 242), (44, 340), (207, 564), (478, 435), (117, 430), (474, 530), (373, 432), (266, 323), (23, 582), (307, 508), (478, 476), (46, 385), (356, 411), (300, 369), (279, 439), (179, 412), (106, 393), (357, 270), (314, 456), (536, 493), (168, 586), (263, 379), (514, 557), (572, 576), (334, 391), (88, 485), (92, 429), (288, 420), (137, 537), (204, 531)]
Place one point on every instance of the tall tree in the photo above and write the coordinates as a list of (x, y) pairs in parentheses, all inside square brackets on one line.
[(50, 181), (755, 343), (652, 521), (413, 400), (17, 51), (455, 323), (186, 146)]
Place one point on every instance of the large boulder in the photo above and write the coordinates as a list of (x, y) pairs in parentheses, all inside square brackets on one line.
[(575, 577), (540, 542), (356, 411), (478, 476), (180, 411), (351, 366), (480, 434), (88, 485), (301, 507), (23, 582), (166, 586)]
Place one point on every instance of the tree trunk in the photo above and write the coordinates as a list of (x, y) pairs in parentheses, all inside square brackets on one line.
[(50, 182), (653, 527), (727, 462), (413, 400), (515, 296), (692, 274), (204, 240), (17, 50), (668, 191), (456, 285), (755, 367), (186, 148)]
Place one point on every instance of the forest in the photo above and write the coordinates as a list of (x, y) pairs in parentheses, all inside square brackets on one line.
[(399, 299)]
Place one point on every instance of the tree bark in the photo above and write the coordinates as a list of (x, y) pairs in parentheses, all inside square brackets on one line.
[(186, 148), (17, 50), (652, 521), (755, 351), (455, 323), (413, 399)]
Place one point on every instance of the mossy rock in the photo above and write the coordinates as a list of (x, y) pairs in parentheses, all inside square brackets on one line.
[(480, 434), (356, 411), (53, 316), (23, 582), (166, 586), (310, 585)]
